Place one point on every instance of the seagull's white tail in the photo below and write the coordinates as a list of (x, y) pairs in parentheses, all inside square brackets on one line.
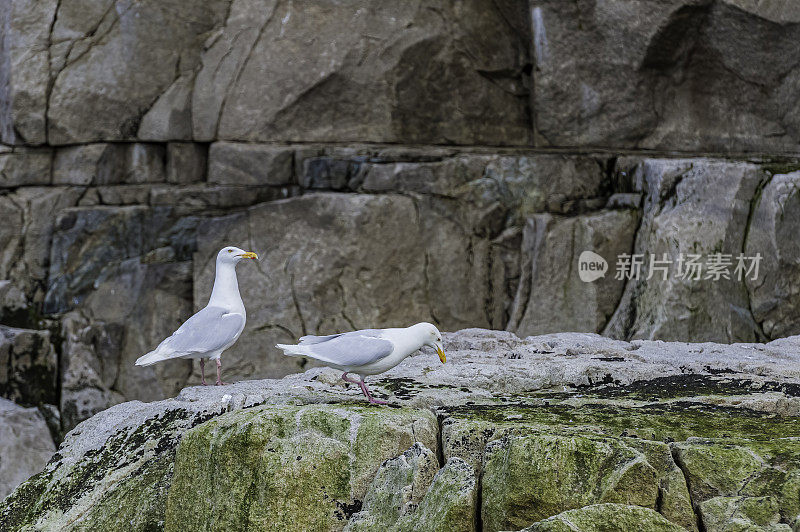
[(152, 357), (293, 350)]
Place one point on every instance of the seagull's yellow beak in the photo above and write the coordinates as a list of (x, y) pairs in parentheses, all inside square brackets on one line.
[(440, 352), (249, 255)]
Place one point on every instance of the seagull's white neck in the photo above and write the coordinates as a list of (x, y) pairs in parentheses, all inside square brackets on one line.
[(225, 293), (407, 339)]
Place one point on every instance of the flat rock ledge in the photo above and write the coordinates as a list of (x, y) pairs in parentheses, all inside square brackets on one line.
[(564, 432)]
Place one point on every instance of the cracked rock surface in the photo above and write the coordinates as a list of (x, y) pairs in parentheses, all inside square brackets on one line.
[(510, 434)]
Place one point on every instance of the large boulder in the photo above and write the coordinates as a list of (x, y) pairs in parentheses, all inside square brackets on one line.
[(732, 480), (694, 212), (529, 478), (25, 444), (676, 74), (742, 513), (677, 428), (260, 70), (265, 462), (606, 517)]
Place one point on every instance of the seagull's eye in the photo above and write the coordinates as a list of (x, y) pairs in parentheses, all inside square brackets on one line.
[(230, 251)]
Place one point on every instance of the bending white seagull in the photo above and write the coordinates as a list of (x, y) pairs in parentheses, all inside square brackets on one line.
[(367, 352), (215, 328)]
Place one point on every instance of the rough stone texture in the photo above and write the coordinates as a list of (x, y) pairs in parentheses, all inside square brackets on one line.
[(511, 73), (25, 166), (165, 122), (677, 74), (608, 517), (269, 459), (133, 307), (773, 233), (111, 62), (232, 163), (529, 478), (186, 162), (25, 445), (109, 164), (468, 219), (123, 277), (450, 503), (24, 70), (551, 248), (26, 236), (28, 366), (286, 71), (736, 481), (676, 421), (396, 490), (691, 207), (742, 513)]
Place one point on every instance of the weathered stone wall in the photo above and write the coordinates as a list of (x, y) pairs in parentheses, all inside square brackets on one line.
[(392, 162)]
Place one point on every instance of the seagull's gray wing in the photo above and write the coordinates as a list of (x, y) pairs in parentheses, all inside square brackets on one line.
[(351, 349), (208, 331), (311, 339)]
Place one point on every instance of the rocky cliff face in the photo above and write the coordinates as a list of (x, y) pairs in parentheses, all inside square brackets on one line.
[(392, 162), (559, 432)]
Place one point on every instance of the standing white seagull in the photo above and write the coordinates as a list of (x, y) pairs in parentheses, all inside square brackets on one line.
[(367, 352), (215, 328)]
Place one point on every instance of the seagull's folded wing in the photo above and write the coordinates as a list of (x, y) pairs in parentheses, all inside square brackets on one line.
[(208, 331), (351, 350), (311, 339)]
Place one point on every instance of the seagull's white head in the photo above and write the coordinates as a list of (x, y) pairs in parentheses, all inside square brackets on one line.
[(431, 337), (232, 255)]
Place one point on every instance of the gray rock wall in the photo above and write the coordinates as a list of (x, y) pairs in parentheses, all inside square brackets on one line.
[(391, 162)]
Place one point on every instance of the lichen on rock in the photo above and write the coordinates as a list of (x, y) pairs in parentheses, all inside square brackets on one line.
[(303, 467)]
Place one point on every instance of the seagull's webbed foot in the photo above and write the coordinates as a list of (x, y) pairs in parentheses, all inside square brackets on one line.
[(378, 401), (372, 400)]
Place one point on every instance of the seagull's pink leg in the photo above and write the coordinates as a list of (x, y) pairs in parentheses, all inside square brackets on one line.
[(203, 370), (369, 395), (219, 374), (351, 381)]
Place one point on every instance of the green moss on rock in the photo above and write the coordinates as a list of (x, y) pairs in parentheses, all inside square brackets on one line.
[(286, 467), (396, 489), (118, 486), (529, 478), (744, 468), (742, 514), (606, 518), (674, 421), (450, 504)]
